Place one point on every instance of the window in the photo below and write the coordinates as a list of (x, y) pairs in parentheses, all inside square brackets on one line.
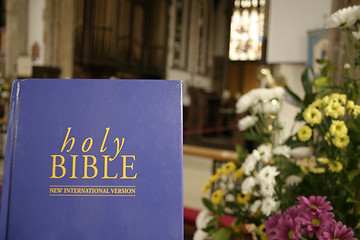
[(247, 30), (181, 26)]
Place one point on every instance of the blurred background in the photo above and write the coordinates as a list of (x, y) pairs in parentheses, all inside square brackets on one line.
[(220, 49)]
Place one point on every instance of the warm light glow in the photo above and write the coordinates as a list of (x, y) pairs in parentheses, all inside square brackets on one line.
[(247, 30)]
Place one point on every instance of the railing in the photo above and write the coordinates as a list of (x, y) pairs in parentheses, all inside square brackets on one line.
[(212, 153)]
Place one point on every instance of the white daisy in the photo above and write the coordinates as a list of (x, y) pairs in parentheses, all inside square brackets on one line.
[(250, 162), (267, 107), (200, 235), (244, 103), (267, 189), (267, 175), (356, 35), (282, 150), (247, 122), (347, 16), (247, 185), (203, 218), (293, 180), (301, 152), (265, 152), (255, 206), (268, 206)]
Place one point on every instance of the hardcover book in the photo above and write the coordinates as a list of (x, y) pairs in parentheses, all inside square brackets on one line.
[(93, 159)]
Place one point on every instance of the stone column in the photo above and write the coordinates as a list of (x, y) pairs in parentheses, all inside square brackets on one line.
[(16, 34), (59, 35)]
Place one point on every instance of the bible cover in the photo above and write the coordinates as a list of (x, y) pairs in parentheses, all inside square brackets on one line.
[(93, 159)]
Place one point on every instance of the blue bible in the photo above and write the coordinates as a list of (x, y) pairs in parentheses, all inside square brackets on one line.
[(93, 159)]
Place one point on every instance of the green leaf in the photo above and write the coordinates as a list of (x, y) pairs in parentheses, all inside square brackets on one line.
[(320, 82), (242, 153), (209, 205), (293, 99), (321, 60), (250, 137), (352, 174), (209, 229), (223, 234), (350, 200), (307, 79), (220, 210), (212, 222), (294, 142)]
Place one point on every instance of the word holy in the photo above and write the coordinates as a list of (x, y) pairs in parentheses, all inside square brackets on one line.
[(90, 161)]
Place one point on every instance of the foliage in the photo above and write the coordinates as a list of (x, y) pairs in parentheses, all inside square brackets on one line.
[(321, 158)]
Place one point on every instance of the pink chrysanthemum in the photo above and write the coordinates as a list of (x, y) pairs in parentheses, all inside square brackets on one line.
[(315, 204), (314, 223), (288, 229), (271, 223), (293, 212), (337, 231)]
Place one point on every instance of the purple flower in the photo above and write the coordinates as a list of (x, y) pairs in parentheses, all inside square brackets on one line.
[(271, 224), (337, 231), (288, 228), (293, 212), (314, 223), (315, 204)]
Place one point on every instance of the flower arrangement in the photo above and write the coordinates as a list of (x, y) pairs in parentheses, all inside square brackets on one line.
[(331, 127), (247, 189), (310, 217), (263, 186)]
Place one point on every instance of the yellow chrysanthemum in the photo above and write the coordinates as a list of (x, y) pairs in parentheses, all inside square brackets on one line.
[(262, 227), (264, 237), (217, 197), (257, 214), (239, 173), (228, 168), (238, 228), (334, 110), (304, 169), (341, 98), (336, 166), (317, 103), (338, 128), (356, 110), (317, 170), (341, 141), (312, 116), (206, 186), (325, 100), (305, 133), (350, 105), (328, 138), (243, 198), (323, 160), (215, 177)]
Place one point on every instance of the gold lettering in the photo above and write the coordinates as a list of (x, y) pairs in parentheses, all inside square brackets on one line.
[(66, 141), (128, 166), (73, 165), (56, 190), (118, 147), (84, 143), (102, 149), (106, 168), (86, 166), (58, 166)]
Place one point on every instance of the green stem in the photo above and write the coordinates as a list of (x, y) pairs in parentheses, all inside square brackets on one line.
[(347, 43), (265, 125)]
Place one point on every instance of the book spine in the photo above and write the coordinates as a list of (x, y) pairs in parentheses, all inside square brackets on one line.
[(11, 132)]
